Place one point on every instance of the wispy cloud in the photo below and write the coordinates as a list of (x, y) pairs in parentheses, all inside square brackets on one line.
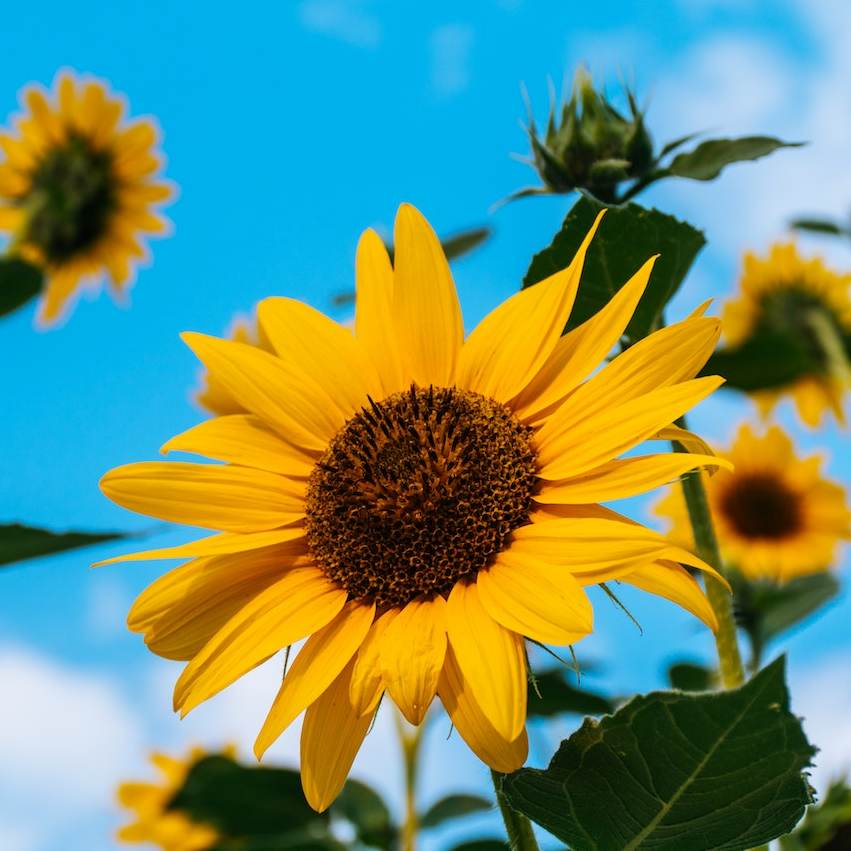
[(345, 20), (451, 47)]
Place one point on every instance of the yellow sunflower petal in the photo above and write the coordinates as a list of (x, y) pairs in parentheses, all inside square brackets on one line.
[(277, 392), (511, 344), (301, 603), (367, 686), (669, 580), (427, 315), (572, 449), (243, 439), (229, 498), (491, 659), (324, 349), (330, 739), (58, 292), (691, 441), (535, 599), (412, 651), (374, 324), (625, 478), (472, 724), (317, 665), (580, 351)]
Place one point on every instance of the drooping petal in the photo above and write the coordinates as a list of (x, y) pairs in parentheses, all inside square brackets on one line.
[(243, 439), (535, 599), (374, 323), (330, 739), (578, 353), (491, 659), (472, 724), (412, 651), (233, 499), (427, 315), (367, 685), (301, 603), (279, 393), (627, 477), (317, 665), (511, 344)]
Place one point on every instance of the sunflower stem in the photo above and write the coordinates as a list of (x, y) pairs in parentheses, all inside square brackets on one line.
[(831, 344), (517, 826), (726, 641), (410, 740)]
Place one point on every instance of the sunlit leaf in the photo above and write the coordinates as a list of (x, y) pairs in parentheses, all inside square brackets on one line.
[(827, 826), (709, 158), (18, 542), (674, 771)]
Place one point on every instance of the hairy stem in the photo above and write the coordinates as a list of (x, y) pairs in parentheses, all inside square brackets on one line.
[(517, 826)]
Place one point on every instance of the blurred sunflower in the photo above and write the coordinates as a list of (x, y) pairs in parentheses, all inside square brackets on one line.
[(78, 189), (788, 294), (414, 504), (776, 516), (154, 823)]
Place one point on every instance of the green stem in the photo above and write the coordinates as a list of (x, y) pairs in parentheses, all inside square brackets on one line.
[(831, 344), (517, 826), (410, 741), (726, 641)]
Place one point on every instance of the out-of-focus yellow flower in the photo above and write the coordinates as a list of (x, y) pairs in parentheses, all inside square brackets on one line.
[(153, 823), (79, 189), (787, 293), (414, 504), (776, 515)]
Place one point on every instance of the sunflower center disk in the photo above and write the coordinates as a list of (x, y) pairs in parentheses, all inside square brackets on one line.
[(419, 491), (760, 506), (71, 199)]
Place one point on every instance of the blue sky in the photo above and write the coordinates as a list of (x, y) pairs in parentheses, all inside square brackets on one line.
[(289, 128)]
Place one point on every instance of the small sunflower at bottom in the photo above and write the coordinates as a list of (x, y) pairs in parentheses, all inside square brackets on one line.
[(79, 189), (171, 830), (777, 517), (788, 294), (416, 505)]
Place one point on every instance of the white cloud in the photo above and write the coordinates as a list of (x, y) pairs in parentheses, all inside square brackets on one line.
[(15, 837), (346, 20), (451, 46)]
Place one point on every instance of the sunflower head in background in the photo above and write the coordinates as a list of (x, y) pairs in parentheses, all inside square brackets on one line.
[(154, 823), (416, 505), (79, 189), (776, 516), (808, 304)]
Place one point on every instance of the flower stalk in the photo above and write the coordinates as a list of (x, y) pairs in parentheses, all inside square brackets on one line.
[(517, 826), (410, 740)]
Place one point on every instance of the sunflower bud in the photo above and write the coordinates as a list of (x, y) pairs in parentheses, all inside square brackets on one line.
[(593, 146)]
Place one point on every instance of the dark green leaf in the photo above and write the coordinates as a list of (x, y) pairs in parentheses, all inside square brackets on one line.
[(689, 676), (709, 158), (628, 236), (453, 806), (367, 812), (818, 226), (459, 244), (768, 609), (483, 845), (19, 282), (767, 360), (242, 802), (558, 696), (296, 840), (676, 772), (827, 826), (18, 543)]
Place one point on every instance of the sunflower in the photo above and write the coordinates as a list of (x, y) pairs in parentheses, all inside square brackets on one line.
[(78, 189), (787, 293), (415, 504), (776, 516), (154, 823)]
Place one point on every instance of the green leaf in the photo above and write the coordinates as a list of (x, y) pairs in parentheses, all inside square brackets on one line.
[(765, 361), (768, 609), (463, 242), (689, 676), (242, 802), (709, 158), (671, 771), (558, 696), (18, 543), (819, 226), (19, 282), (483, 845), (296, 840), (366, 811), (453, 806), (628, 236), (827, 826)]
